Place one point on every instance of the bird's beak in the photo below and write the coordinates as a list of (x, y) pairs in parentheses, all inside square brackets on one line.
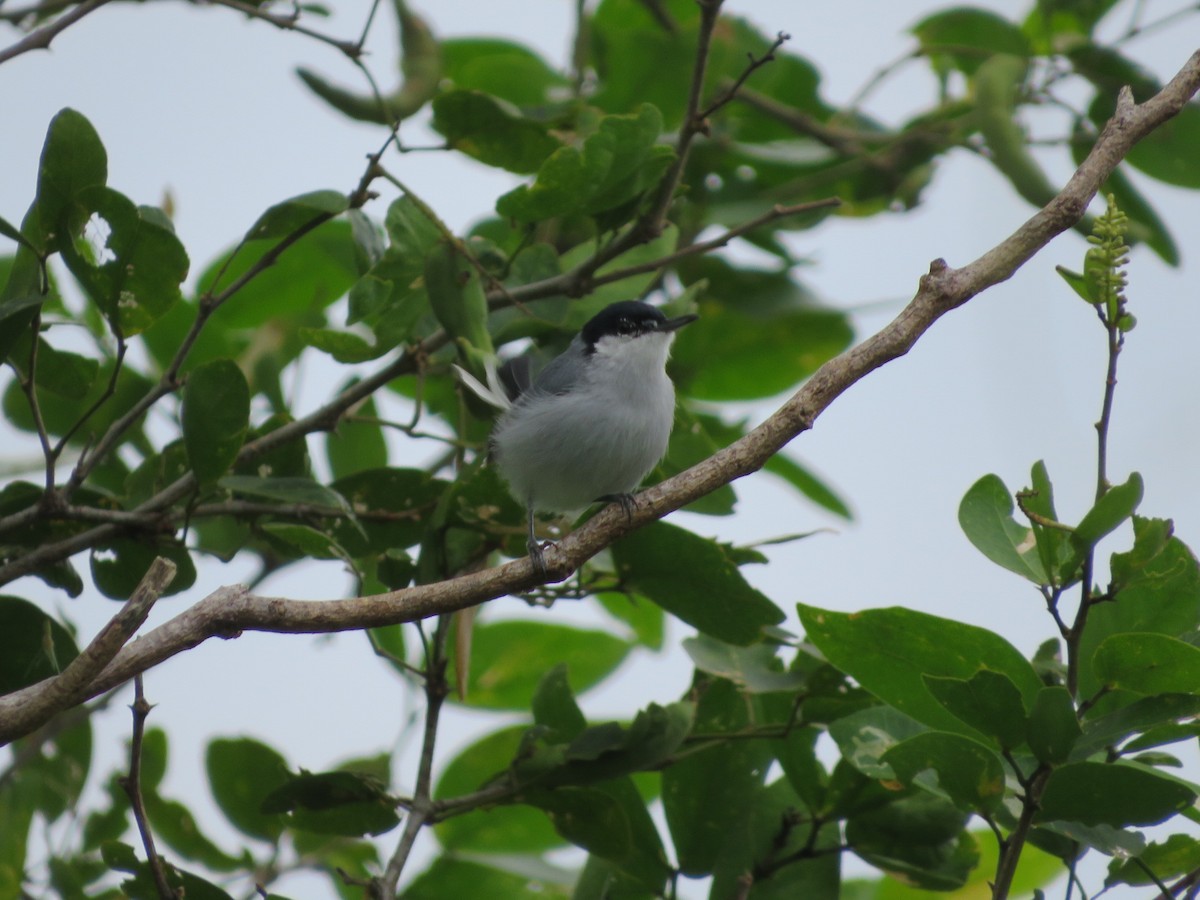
[(678, 322)]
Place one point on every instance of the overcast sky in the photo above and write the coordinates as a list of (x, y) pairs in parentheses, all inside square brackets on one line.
[(197, 102)]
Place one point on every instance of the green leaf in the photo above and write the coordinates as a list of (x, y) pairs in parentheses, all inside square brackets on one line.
[(999, 84), (1166, 153), (631, 52), (1150, 538), (21, 298), (501, 68), (985, 516), (1053, 725), (491, 131), (644, 618), (968, 774), (1164, 598), (963, 37), (504, 829), (1141, 715), (174, 823), (343, 346), (644, 860), (587, 817), (405, 496), (578, 312), (66, 374), (760, 832), (1077, 283), (1116, 794), (864, 737), (242, 773), (488, 876), (554, 706), (215, 416), (704, 791), (304, 491), (456, 296), (1177, 855), (617, 163), (119, 564), (693, 579), (11, 231), (73, 162), (297, 213), (310, 542), (606, 751), (341, 803), (690, 444), (808, 484), (756, 669), (1148, 664), (135, 273), (33, 646), (987, 701), (919, 837), (142, 885), (748, 351), (357, 445), (1053, 544), (61, 414), (508, 659), (51, 774), (890, 651), (1114, 508)]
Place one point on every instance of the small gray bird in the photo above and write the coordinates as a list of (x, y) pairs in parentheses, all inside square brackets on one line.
[(595, 421)]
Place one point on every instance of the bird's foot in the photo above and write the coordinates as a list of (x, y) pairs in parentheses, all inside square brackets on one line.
[(627, 503), (536, 556)]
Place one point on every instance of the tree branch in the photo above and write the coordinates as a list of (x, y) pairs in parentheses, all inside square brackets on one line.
[(582, 280), (132, 785), (40, 39), (74, 684), (232, 610), (436, 690)]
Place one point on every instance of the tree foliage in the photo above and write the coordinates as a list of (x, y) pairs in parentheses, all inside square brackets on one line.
[(165, 431)]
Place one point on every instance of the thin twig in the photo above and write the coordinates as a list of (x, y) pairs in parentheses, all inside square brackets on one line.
[(132, 785), (582, 279), (1011, 847), (28, 383), (436, 691), (109, 390), (755, 63), (366, 29), (291, 22), (40, 39)]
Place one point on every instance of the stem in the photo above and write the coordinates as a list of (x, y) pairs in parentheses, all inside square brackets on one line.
[(132, 784), (436, 690), (1011, 847), (1086, 600), (40, 39)]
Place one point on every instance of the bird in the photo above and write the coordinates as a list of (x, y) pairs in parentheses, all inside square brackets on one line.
[(595, 420)]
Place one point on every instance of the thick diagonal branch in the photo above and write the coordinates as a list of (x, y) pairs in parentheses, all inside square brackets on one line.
[(232, 610)]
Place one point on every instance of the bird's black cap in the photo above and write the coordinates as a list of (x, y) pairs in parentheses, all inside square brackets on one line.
[(631, 318)]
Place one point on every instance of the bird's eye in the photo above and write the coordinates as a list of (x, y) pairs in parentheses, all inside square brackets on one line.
[(626, 325)]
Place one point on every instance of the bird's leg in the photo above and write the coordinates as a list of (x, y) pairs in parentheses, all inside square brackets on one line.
[(627, 502), (535, 547)]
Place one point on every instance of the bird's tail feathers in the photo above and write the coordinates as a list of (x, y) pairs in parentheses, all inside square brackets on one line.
[(492, 393)]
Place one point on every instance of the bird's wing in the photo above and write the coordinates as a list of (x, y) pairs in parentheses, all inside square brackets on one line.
[(561, 376), (516, 375)]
